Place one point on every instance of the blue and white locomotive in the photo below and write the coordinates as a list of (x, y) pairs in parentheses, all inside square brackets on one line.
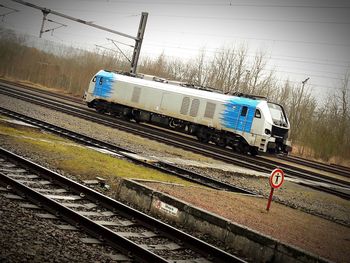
[(248, 125)]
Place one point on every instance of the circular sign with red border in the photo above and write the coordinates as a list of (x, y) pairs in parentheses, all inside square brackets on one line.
[(276, 178)]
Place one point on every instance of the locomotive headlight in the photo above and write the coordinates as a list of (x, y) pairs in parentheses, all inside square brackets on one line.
[(267, 131)]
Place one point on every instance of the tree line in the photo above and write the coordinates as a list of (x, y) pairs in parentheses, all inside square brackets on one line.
[(318, 129)]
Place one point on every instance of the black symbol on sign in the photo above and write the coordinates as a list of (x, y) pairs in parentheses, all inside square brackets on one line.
[(277, 176)]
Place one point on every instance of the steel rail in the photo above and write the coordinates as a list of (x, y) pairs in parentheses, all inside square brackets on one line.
[(206, 149), (317, 165), (333, 168), (209, 251), (142, 130), (42, 91), (160, 166), (74, 218)]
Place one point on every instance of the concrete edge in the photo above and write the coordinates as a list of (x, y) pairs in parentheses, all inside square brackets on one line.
[(249, 243)]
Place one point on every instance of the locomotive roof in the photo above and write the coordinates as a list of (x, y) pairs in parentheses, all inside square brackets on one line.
[(178, 89)]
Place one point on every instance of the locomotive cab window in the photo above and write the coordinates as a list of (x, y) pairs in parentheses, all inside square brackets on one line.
[(244, 111), (257, 114), (101, 79)]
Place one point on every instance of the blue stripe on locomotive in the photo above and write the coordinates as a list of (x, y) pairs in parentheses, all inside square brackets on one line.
[(231, 117), (104, 84)]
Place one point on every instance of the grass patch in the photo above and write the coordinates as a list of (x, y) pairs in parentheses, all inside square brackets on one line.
[(15, 130), (78, 160), (2, 117)]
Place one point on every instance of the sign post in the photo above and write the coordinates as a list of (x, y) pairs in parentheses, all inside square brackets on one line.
[(276, 180)]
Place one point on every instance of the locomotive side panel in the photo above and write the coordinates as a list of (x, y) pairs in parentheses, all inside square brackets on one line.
[(167, 103)]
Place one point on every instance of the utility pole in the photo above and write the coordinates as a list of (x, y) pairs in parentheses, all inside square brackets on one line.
[(45, 13), (138, 39), (138, 42), (304, 82), (302, 91), (298, 111)]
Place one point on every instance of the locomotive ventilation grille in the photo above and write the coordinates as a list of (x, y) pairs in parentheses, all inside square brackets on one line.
[(279, 132)]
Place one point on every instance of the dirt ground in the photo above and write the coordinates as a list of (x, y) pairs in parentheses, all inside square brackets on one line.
[(308, 232)]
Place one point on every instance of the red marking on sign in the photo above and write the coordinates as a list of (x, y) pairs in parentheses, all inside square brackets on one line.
[(276, 178)]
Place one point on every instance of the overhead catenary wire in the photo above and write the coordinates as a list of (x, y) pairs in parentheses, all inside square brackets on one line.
[(138, 39), (253, 55), (299, 60), (225, 3), (121, 51), (260, 39), (254, 19), (11, 11), (218, 51)]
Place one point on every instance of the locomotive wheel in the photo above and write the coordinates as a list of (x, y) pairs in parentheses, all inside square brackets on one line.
[(137, 120), (221, 143), (204, 140), (253, 151), (125, 117), (241, 148), (100, 110)]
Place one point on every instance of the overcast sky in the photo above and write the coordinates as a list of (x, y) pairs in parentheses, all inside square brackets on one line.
[(306, 38)]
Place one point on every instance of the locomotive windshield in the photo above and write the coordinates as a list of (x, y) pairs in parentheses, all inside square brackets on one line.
[(277, 114)]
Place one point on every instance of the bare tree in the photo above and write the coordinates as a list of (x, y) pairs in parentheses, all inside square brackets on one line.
[(256, 72)]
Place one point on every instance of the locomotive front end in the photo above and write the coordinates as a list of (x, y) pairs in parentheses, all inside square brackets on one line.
[(277, 127)]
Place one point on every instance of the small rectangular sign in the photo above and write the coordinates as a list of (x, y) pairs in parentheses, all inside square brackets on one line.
[(166, 208)]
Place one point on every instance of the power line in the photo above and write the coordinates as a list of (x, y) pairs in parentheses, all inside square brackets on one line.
[(235, 18), (218, 50), (278, 80), (125, 14), (215, 50), (11, 11), (273, 70), (303, 73), (316, 59), (138, 39), (281, 58), (226, 3), (262, 39), (309, 70), (121, 51), (273, 58), (88, 23), (253, 19), (313, 85)]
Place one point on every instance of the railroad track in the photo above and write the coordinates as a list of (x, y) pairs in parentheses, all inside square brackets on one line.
[(133, 233), (129, 155), (335, 169), (43, 92), (331, 185)]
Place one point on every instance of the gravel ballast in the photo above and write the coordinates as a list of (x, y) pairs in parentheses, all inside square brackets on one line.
[(24, 237), (291, 194)]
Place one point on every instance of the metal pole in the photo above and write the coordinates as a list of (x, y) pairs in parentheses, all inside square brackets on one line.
[(138, 39), (270, 199), (138, 42), (45, 13), (73, 18)]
